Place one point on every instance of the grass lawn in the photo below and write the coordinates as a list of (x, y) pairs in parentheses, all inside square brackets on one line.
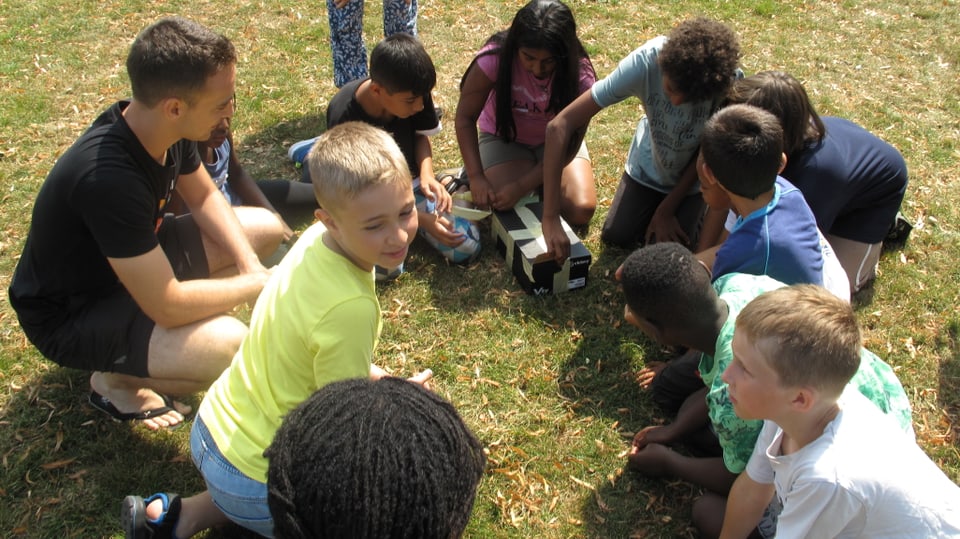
[(548, 383)]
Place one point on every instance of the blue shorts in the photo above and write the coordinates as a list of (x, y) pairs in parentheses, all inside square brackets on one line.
[(242, 499)]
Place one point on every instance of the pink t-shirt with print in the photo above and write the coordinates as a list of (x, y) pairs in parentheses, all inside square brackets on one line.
[(530, 98)]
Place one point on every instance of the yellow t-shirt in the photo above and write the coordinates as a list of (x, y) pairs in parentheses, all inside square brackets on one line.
[(316, 321)]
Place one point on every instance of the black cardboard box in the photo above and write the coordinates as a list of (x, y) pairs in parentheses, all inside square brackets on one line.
[(520, 241)]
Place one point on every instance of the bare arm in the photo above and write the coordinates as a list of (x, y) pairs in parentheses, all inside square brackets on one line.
[(216, 219), (170, 303), (745, 505), (249, 192), (473, 95), (571, 122), (708, 257), (712, 230), (428, 181)]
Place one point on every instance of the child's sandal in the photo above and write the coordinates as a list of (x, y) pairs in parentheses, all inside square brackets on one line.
[(454, 180), (136, 525)]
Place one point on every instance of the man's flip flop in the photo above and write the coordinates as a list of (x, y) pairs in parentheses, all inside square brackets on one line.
[(103, 404)]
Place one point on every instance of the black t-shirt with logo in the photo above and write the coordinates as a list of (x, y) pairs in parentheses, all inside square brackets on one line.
[(104, 197)]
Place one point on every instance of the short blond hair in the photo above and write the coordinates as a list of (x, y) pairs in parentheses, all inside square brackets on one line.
[(808, 336), (351, 157)]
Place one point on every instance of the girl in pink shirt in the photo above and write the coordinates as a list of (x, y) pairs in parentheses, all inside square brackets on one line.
[(517, 83)]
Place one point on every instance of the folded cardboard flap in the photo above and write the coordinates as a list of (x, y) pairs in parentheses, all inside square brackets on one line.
[(520, 240)]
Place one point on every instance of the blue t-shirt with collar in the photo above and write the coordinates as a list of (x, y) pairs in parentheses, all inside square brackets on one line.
[(779, 240)]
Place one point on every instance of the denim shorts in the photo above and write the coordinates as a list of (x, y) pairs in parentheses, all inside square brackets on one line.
[(242, 499)]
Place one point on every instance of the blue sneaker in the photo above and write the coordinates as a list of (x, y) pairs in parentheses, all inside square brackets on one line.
[(298, 150)]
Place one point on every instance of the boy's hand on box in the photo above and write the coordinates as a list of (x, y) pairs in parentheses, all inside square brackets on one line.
[(558, 244)]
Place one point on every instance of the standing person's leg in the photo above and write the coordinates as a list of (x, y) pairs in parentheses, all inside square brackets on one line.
[(399, 16), (346, 42), (630, 213)]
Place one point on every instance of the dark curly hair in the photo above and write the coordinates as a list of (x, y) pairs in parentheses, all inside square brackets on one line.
[(373, 459), (665, 284), (701, 57), (546, 25)]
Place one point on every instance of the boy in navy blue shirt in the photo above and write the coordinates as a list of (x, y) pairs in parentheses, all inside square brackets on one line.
[(741, 155)]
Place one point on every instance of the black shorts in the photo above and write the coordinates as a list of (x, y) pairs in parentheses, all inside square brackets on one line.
[(181, 241), (679, 379), (112, 333)]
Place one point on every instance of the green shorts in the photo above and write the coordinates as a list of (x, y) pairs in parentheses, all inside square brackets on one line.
[(496, 151)]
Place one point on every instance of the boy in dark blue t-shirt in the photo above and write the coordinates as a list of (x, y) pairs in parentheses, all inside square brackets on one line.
[(741, 154)]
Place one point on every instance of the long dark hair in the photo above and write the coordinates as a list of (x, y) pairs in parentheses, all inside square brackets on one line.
[(785, 97), (546, 25)]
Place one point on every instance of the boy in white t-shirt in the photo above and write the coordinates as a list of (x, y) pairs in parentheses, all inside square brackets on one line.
[(838, 467)]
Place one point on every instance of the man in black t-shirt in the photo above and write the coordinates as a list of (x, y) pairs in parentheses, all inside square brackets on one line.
[(108, 282)]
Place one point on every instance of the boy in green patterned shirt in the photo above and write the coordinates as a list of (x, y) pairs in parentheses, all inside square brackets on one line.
[(670, 298)]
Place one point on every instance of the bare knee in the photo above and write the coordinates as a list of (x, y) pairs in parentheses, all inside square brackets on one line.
[(263, 229), (226, 333), (579, 214), (579, 192), (215, 345), (196, 352)]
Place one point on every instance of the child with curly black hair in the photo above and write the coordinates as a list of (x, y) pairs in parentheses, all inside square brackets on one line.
[(330, 476), (681, 79)]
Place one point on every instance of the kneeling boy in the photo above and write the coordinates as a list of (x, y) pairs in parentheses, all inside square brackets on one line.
[(317, 321)]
